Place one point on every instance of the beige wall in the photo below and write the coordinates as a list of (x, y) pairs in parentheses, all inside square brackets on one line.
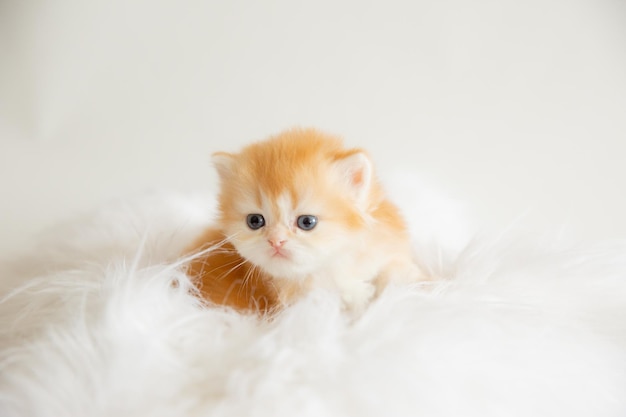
[(513, 107)]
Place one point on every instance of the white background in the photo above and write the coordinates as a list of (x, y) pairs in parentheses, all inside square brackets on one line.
[(514, 108)]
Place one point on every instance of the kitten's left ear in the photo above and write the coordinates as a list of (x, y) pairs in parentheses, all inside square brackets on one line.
[(355, 169), (224, 163)]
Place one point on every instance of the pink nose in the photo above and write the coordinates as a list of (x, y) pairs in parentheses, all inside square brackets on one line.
[(276, 244)]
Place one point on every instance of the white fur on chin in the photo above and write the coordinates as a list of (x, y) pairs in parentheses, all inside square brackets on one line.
[(90, 325)]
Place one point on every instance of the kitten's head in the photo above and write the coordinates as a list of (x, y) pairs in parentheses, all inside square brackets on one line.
[(294, 202)]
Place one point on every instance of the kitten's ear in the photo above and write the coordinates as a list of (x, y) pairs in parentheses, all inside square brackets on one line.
[(355, 169), (224, 164)]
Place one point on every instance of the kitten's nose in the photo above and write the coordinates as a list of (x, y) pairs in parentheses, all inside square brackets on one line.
[(276, 244)]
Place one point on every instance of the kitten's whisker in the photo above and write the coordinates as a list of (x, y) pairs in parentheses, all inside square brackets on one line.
[(230, 289), (202, 252), (219, 266), (225, 250), (247, 277), (255, 301), (217, 246), (229, 238), (222, 276), (206, 263)]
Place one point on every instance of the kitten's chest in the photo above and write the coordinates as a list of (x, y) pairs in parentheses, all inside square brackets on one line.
[(358, 267), (352, 278)]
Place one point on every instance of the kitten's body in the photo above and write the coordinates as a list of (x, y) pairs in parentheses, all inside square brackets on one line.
[(357, 242)]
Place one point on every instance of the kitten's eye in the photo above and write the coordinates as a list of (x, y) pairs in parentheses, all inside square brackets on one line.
[(255, 221), (307, 222)]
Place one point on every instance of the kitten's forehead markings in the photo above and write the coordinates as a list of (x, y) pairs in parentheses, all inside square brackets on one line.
[(270, 208), (266, 206), (278, 209), (258, 198), (283, 208)]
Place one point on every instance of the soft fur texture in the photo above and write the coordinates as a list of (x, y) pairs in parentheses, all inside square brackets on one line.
[(358, 243), (91, 325)]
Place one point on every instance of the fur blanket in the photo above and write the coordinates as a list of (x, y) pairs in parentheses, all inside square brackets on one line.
[(91, 325)]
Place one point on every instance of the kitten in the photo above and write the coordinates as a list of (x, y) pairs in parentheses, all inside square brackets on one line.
[(297, 212)]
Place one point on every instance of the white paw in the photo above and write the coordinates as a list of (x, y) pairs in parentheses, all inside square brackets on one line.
[(404, 273), (357, 296)]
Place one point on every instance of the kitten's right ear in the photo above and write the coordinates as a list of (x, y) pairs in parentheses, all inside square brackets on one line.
[(224, 163), (355, 171)]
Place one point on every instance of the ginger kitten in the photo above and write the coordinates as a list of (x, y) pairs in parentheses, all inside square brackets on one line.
[(297, 212)]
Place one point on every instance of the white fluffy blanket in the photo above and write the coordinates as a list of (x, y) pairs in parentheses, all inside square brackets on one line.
[(91, 326)]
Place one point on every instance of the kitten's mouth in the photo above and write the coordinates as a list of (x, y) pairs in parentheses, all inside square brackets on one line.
[(278, 254)]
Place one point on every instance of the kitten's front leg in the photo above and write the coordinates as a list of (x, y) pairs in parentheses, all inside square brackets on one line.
[(399, 272), (356, 295)]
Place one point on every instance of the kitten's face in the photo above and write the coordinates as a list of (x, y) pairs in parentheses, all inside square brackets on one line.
[(286, 237), (292, 206)]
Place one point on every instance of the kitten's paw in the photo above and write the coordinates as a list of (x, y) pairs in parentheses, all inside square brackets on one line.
[(400, 273), (403, 273), (357, 296)]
